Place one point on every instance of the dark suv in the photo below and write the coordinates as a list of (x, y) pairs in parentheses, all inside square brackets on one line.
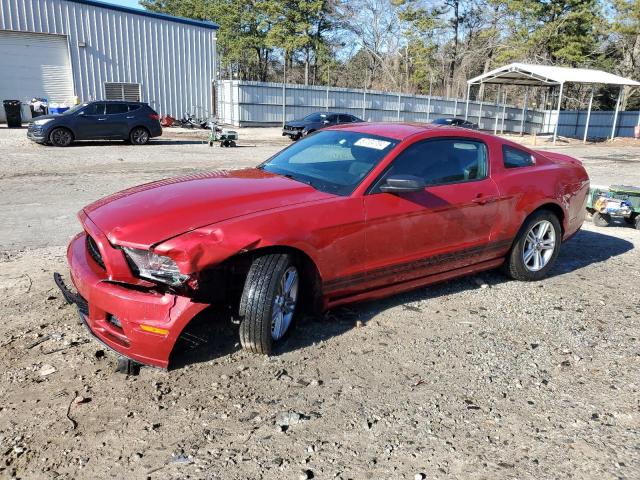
[(295, 129), (100, 120)]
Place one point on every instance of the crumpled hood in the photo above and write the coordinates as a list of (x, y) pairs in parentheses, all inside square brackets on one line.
[(148, 214)]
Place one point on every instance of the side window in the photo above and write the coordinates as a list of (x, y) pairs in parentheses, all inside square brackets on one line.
[(514, 158), (133, 106), (444, 161), (94, 109), (116, 108), (332, 118)]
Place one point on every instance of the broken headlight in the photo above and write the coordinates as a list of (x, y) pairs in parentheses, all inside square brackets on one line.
[(152, 266)]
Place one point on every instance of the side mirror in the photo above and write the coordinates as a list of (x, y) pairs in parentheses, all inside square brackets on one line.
[(403, 184)]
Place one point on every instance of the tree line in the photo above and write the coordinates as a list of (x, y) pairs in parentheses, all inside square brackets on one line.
[(420, 46)]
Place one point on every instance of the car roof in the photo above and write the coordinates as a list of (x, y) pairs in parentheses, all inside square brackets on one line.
[(118, 101), (323, 112), (397, 131), (402, 131)]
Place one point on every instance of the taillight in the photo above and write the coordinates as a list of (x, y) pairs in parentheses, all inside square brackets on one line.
[(154, 116)]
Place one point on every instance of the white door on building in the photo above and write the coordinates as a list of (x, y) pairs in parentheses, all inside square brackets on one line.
[(34, 65)]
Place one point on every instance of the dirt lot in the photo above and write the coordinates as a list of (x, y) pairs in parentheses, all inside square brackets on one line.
[(479, 378)]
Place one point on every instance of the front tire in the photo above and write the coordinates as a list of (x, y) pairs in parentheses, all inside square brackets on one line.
[(601, 219), (61, 137), (536, 247), (269, 302), (139, 136)]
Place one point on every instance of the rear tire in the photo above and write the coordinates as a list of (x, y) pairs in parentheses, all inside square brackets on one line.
[(535, 248), (601, 219), (139, 136), (637, 222), (269, 302), (61, 137)]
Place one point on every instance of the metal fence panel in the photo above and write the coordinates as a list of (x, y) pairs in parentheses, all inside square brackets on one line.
[(572, 123), (244, 103)]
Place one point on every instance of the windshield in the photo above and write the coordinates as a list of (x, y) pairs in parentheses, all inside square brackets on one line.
[(75, 109), (332, 161), (315, 117)]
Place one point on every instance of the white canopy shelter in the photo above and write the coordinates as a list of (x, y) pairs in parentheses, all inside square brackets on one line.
[(550, 76)]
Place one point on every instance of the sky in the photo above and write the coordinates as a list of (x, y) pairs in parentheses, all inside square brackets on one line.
[(125, 3)]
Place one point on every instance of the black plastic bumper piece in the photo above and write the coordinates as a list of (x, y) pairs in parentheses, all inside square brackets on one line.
[(71, 297)]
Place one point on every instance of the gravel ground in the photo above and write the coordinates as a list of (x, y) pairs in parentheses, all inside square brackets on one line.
[(479, 378)]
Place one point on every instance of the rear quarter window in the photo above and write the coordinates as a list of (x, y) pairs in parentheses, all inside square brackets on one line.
[(514, 158)]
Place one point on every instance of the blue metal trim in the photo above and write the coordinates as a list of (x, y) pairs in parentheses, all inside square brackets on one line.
[(147, 13)]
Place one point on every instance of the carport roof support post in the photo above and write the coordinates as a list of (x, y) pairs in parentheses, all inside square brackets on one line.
[(466, 108), (615, 115), (555, 130), (495, 125), (429, 99), (524, 111), (586, 126)]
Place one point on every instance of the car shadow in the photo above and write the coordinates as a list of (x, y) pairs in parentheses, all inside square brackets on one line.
[(105, 143), (212, 335)]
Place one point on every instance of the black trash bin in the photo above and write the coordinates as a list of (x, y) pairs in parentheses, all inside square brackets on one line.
[(14, 115)]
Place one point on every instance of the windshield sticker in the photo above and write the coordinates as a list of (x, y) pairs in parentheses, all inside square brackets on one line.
[(372, 143)]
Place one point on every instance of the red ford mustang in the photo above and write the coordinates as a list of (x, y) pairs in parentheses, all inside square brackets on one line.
[(350, 213)]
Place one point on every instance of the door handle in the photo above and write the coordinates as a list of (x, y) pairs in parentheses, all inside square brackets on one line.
[(101, 119), (130, 117), (481, 200)]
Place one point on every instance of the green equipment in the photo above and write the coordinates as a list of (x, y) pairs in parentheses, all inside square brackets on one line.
[(227, 138), (616, 201)]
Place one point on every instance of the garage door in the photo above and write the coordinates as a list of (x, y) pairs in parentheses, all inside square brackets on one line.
[(34, 65)]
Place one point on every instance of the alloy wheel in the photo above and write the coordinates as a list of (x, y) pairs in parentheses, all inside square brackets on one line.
[(61, 136), (140, 136), (539, 245), (284, 303)]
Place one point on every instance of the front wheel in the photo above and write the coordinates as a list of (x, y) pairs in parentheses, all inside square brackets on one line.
[(536, 247), (139, 136), (61, 137), (269, 302)]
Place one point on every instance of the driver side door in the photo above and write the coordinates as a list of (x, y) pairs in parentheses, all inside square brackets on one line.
[(443, 227), (91, 122)]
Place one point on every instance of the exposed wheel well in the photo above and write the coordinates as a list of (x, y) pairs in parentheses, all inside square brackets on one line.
[(553, 208), (233, 272)]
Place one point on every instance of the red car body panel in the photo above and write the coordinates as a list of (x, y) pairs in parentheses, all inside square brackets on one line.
[(363, 246)]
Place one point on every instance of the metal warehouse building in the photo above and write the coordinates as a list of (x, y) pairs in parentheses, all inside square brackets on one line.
[(59, 49)]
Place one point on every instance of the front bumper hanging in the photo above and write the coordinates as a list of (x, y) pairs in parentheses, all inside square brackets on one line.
[(125, 364)]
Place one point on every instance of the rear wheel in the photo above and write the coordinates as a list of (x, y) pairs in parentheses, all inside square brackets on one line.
[(631, 220), (139, 136), (61, 137), (601, 219), (269, 302), (637, 222), (536, 247)]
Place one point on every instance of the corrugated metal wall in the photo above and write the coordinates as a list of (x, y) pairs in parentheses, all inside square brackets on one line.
[(173, 62), (243, 103), (572, 123)]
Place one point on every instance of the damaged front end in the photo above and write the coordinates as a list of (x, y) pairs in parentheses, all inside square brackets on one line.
[(138, 318)]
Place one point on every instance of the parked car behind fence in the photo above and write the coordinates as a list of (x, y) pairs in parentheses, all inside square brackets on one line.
[(296, 129)]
